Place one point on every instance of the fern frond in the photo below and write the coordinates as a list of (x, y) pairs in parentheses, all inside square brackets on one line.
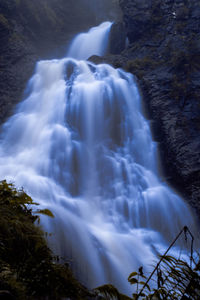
[(110, 292)]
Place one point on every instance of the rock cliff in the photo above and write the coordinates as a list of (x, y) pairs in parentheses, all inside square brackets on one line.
[(164, 53)]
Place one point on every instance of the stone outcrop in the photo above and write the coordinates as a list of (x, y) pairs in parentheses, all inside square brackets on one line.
[(164, 53)]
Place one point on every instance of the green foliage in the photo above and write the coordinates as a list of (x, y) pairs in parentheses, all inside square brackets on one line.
[(171, 279), (175, 279), (27, 267), (29, 271), (45, 212), (109, 292)]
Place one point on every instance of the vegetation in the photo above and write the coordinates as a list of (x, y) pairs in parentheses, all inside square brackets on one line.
[(28, 269), (4, 22), (172, 279), (175, 280)]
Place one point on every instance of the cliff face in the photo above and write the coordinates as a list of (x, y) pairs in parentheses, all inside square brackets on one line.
[(164, 53), (39, 29)]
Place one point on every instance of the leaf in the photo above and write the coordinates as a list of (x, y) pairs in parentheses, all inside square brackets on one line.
[(45, 212), (142, 295), (110, 292), (132, 275), (133, 280)]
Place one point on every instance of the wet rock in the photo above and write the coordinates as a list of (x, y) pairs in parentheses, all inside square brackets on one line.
[(117, 38), (164, 55), (96, 59)]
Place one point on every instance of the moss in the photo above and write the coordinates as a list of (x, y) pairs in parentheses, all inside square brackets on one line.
[(15, 37), (28, 269), (183, 12), (180, 26), (18, 2), (51, 15), (139, 66), (4, 22)]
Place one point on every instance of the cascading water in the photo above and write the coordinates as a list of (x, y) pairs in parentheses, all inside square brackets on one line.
[(94, 42), (80, 146)]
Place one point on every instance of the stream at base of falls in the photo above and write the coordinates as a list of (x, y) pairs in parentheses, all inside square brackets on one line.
[(80, 146)]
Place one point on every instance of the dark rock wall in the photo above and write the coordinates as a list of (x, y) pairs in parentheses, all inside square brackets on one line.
[(164, 53), (40, 29), (117, 38)]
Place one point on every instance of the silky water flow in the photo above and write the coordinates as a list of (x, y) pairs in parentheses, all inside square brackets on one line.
[(79, 146)]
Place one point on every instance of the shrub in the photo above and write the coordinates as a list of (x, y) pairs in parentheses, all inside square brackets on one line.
[(28, 268)]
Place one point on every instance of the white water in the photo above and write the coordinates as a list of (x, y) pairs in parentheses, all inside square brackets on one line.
[(94, 42), (80, 146)]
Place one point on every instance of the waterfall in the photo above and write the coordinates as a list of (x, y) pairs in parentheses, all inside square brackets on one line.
[(80, 146), (94, 42)]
